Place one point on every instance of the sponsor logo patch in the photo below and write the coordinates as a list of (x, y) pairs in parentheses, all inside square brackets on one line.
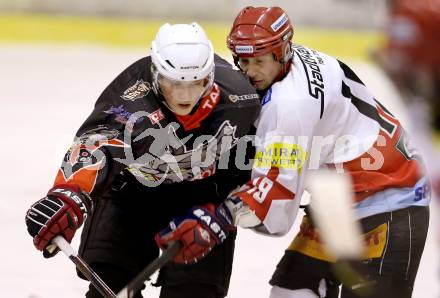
[(138, 90), (279, 22), (281, 155), (244, 49), (308, 242), (189, 67), (235, 97), (311, 62)]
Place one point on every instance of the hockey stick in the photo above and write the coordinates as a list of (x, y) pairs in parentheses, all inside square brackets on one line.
[(333, 213), (137, 283), (82, 266), (331, 205)]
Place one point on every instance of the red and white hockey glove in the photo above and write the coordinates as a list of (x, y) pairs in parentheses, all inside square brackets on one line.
[(198, 231), (61, 212)]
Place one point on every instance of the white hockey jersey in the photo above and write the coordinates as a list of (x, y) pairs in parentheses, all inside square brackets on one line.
[(321, 115)]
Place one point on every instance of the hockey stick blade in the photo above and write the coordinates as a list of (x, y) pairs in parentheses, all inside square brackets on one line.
[(332, 211), (137, 283), (82, 266)]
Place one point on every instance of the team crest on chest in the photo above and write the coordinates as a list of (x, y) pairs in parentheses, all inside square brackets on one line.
[(138, 90), (176, 160)]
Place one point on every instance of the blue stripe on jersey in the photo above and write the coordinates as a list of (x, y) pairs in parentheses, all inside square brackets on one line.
[(395, 198)]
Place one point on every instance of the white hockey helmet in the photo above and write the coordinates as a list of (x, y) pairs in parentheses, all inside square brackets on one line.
[(182, 52)]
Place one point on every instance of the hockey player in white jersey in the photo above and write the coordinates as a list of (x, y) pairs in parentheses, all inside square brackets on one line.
[(317, 113)]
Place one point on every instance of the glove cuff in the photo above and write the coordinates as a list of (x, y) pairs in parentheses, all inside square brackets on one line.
[(211, 221), (73, 196), (240, 213)]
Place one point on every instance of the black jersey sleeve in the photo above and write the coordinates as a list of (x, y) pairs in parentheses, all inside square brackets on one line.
[(92, 160)]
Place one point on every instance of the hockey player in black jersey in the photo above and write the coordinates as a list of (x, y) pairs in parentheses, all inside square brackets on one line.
[(155, 155)]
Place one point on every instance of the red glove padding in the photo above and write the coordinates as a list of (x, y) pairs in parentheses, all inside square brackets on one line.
[(199, 231), (61, 212)]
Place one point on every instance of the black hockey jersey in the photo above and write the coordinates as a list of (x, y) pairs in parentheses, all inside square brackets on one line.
[(131, 133)]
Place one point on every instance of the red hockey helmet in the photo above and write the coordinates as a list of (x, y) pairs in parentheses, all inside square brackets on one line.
[(261, 30), (413, 35)]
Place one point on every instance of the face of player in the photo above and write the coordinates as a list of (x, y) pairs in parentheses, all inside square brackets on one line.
[(180, 96), (261, 70)]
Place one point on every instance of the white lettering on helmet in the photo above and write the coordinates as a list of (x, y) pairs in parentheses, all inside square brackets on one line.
[(279, 22), (244, 49)]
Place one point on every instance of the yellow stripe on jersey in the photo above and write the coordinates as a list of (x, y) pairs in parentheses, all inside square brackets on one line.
[(307, 242)]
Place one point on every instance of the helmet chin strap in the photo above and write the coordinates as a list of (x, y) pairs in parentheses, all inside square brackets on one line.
[(285, 65)]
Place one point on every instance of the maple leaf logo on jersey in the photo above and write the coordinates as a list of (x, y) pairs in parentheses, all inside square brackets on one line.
[(175, 160)]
